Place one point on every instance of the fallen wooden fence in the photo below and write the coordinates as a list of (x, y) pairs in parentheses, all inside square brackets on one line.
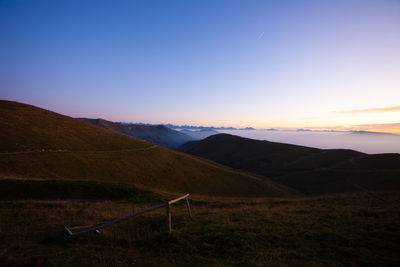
[(97, 228)]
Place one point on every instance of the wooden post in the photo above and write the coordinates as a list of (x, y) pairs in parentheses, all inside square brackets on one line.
[(169, 226), (188, 207)]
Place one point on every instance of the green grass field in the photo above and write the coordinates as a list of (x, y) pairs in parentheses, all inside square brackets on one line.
[(339, 230)]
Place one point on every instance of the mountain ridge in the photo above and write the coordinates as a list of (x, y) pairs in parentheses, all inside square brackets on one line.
[(156, 134)]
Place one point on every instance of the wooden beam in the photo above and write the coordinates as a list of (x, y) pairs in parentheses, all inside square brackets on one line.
[(188, 207), (179, 198), (169, 223), (114, 221)]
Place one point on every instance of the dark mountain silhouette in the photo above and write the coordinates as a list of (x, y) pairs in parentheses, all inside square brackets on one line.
[(264, 157), (298, 166), (372, 133), (156, 134)]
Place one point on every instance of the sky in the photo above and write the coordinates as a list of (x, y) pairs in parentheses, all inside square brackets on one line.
[(264, 64)]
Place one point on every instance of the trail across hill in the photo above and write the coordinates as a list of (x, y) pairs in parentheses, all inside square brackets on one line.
[(78, 151)]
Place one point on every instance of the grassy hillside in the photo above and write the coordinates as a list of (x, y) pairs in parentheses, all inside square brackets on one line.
[(25, 127), (92, 153), (387, 161), (159, 134), (156, 169), (12, 189), (340, 230), (308, 170)]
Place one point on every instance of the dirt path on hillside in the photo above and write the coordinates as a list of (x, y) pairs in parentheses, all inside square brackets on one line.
[(77, 151)]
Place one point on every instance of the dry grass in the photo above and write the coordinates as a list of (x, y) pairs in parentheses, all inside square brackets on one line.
[(156, 169), (335, 230)]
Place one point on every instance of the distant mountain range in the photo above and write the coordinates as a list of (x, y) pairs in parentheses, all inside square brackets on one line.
[(156, 134), (189, 127), (309, 170), (209, 128)]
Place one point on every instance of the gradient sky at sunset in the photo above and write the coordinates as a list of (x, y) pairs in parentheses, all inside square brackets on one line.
[(282, 64)]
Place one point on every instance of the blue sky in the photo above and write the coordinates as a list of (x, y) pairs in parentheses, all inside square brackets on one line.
[(223, 63)]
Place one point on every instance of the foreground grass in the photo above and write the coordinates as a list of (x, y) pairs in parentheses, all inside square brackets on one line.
[(332, 181), (13, 189), (335, 230)]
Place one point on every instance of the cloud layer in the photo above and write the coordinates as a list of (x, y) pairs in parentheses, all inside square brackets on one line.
[(375, 127)]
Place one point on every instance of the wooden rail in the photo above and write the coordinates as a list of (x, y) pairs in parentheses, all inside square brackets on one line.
[(96, 228)]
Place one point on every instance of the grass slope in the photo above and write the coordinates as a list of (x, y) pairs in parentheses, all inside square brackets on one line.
[(12, 189), (339, 230), (26, 127)]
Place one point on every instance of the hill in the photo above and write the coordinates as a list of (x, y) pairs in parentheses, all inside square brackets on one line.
[(156, 134), (309, 170), (25, 127), (264, 157), (37, 143)]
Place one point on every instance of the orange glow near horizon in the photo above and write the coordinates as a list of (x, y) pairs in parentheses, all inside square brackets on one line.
[(387, 128)]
